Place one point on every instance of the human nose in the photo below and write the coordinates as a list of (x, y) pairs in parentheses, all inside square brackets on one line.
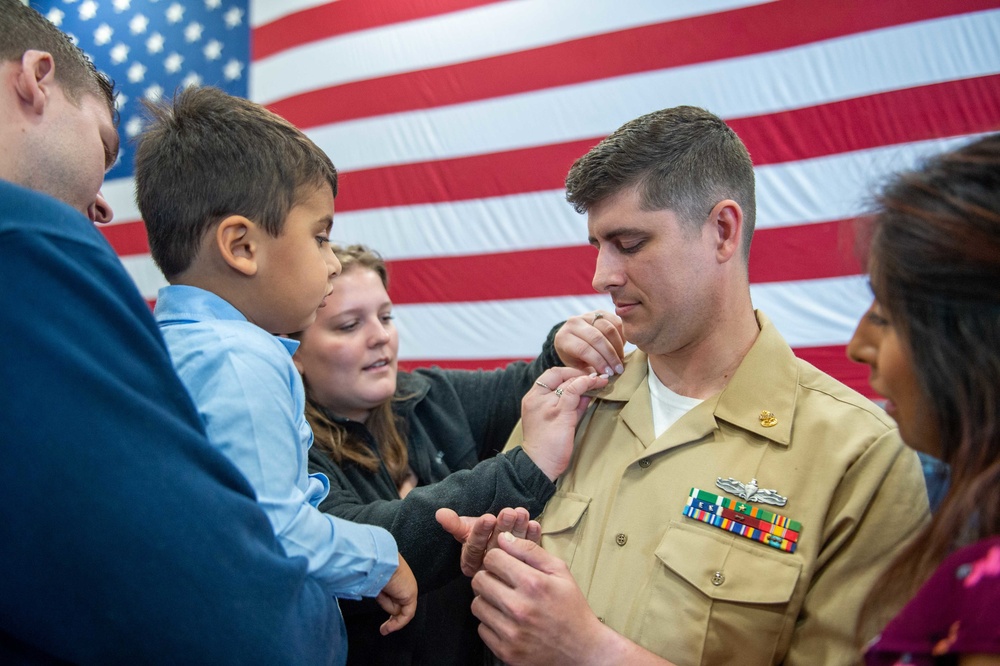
[(380, 334), (333, 263), (607, 273), (100, 211), (863, 346)]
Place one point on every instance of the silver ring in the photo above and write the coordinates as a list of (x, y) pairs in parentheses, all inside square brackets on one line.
[(543, 385), (597, 316), (559, 390)]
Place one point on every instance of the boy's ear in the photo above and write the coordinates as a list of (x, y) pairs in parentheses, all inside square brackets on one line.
[(37, 74), (236, 238)]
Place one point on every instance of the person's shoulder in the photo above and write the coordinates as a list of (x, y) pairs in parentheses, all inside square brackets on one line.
[(834, 394), (26, 211)]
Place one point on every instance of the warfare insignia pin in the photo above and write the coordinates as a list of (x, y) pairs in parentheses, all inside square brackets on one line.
[(750, 491)]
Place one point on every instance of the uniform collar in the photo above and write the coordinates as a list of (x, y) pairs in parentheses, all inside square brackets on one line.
[(765, 381)]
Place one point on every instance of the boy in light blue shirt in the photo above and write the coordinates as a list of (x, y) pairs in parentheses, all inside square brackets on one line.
[(238, 206)]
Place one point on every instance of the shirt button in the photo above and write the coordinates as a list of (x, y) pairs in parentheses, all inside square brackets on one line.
[(718, 578), (621, 539), (601, 620), (645, 462)]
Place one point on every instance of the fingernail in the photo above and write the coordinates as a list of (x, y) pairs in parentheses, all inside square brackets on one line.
[(605, 377), (507, 536), (593, 374), (620, 368), (608, 371)]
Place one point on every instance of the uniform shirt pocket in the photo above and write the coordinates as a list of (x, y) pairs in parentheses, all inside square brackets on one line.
[(563, 522), (727, 601)]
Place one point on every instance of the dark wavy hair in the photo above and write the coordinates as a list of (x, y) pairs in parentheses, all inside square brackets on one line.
[(684, 159), (934, 262)]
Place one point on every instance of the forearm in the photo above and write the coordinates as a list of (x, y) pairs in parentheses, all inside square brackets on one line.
[(505, 480)]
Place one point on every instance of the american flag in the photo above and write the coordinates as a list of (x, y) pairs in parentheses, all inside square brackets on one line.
[(454, 122)]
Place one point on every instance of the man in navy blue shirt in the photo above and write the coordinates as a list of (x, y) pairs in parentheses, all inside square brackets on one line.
[(124, 538)]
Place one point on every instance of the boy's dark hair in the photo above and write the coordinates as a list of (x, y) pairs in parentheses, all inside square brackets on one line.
[(23, 29), (684, 159), (208, 155)]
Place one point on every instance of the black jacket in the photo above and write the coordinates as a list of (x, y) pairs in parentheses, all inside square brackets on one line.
[(454, 419)]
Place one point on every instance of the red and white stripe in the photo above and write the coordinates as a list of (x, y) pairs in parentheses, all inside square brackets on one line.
[(454, 122)]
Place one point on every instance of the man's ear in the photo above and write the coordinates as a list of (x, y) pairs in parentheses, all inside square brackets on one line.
[(727, 220), (35, 79), (236, 238)]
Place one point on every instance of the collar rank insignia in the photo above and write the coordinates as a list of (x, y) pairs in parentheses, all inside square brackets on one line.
[(750, 491)]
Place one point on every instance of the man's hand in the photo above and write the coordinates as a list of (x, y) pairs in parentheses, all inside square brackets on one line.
[(549, 414), (478, 535), (594, 342), (398, 598), (533, 612)]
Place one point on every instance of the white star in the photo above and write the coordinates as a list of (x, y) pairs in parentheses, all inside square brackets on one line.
[(173, 62), (133, 126), (103, 34), (192, 33), (233, 17), (233, 70), (136, 72), (119, 53), (88, 10), (120, 5), (155, 43), (55, 16), (175, 13), (154, 93), (121, 99), (212, 4), (213, 50), (138, 24), (192, 79)]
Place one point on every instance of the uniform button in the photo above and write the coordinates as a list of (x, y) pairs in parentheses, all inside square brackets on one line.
[(621, 539), (718, 578), (601, 620), (645, 462)]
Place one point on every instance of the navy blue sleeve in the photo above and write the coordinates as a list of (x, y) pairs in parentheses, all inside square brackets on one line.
[(125, 538)]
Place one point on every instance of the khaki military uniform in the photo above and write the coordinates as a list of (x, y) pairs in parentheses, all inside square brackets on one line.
[(697, 594)]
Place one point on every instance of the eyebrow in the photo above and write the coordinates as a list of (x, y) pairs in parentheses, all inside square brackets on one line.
[(615, 234)]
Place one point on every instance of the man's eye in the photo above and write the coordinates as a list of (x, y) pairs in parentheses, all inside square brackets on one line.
[(322, 239)]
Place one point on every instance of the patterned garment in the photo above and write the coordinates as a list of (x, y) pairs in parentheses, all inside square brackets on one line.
[(956, 612)]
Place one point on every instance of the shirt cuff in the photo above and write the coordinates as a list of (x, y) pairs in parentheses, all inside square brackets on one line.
[(384, 563)]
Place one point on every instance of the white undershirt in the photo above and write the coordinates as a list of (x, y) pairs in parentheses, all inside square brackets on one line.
[(667, 406)]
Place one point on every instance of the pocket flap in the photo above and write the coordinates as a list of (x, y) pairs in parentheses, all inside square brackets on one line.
[(563, 512), (747, 574)]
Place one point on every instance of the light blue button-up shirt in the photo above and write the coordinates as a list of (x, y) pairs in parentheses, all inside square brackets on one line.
[(251, 399)]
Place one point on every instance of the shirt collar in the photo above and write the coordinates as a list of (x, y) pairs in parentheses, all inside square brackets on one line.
[(765, 381), (181, 304)]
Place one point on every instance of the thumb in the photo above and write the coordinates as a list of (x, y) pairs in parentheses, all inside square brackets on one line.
[(450, 522), (530, 553)]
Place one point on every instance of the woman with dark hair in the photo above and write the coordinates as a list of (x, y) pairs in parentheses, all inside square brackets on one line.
[(932, 340), (398, 446)]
